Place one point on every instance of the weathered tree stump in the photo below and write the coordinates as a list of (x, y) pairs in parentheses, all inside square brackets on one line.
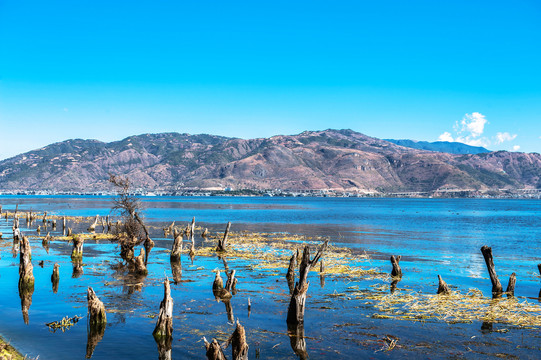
[(205, 233), (497, 289), (96, 311), (26, 270), (395, 261), (214, 350), (77, 252), (127, 247), (442, 286), (92, 227), (63, 223), (69, 232), (290, 275), (177, 248), (218, 287), (239, 347), (222, 244), (164, 325), (295, 312), (511, 285), (139, 263), (55, 278), (231, 282), (192, 227)]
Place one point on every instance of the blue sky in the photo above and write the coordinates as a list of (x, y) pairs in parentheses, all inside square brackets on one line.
[(422, 70)]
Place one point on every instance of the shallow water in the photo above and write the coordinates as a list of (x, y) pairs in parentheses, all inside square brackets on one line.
[(433, 236)]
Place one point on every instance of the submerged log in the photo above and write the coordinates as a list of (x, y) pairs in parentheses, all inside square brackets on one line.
[(511, 286), (222, 244), (497, 289), (295, 312), (77, 252), (442, 286), (214, 350), (164, 325), (395, 261), (177, 248), (96, 311), (55, 278)]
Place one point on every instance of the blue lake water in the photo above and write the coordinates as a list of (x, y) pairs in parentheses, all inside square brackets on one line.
[(434, 236)]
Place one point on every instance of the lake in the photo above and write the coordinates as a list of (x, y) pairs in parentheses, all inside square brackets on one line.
[(433, 236)]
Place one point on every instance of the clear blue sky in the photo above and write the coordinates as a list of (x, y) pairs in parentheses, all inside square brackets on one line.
[(423, 70)]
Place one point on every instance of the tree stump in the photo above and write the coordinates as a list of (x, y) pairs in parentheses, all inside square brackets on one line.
[(164, 325), (497, 289), (177, 248), (55, 278), (511, 286), (218, 288), (295, 312), (192, 227), (290, 276), (205, 233), (139, 263), (239, 346), (214, 350), (77, 252), (96, 311), (442, 287), (395, 261), (26, 270), (92, 227), (222, 244)]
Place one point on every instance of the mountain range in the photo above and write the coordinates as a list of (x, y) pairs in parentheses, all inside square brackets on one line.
[(331, 159)]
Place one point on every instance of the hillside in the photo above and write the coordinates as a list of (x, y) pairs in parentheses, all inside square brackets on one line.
[(441, 146), (330, 159)]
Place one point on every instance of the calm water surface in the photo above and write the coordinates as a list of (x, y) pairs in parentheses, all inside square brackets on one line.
[(433, 236)]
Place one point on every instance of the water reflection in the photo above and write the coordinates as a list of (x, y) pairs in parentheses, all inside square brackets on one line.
[(176, 269), (94, 336), (164, 347), (25, 293), (77, 268), (297, 340)]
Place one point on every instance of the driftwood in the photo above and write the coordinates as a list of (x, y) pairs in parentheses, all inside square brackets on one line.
[(295, 312), (55, 278), (442, 287), (96, 311), (497, 289), (177, 248), (214, 350), (164, 326), (77, 252), (511, 286), (395, 261), (222, 244)]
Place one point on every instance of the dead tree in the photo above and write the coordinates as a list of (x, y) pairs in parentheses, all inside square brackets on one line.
[(139, 263), (442, 287), (192, 228), (77, 252), (497, 289), (55, 278), (222, 244), (295, 312), (164, 325), (92, 227), (26, 273), (96, 311), (395, 261), (214, 350), (511, 286), (177, 248)]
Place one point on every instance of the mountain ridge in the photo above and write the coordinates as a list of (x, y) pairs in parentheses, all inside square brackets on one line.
[(328, 159)]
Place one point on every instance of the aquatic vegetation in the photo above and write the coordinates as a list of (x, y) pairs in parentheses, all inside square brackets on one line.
[(65, 324)]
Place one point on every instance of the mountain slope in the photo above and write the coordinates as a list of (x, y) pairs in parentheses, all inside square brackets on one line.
[(330, 159)]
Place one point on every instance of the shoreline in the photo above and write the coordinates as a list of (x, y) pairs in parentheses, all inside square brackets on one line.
[(7, 351)]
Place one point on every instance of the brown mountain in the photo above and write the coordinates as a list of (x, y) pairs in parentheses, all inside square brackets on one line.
[(330, 159)]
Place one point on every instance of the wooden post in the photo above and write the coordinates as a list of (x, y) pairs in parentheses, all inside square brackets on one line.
[(96, 310), (164, 325), (511, 286), (497, 289), (222, 244), (77, 252), (442, 287), (395, 261), (295, 312), (177, 248)]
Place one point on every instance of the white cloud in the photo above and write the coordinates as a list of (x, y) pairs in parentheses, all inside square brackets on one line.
[(505, 136), (516, 147), (446, 136), (474, 124)]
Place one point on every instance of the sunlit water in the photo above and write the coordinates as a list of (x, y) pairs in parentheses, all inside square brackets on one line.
[(433, 236)]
